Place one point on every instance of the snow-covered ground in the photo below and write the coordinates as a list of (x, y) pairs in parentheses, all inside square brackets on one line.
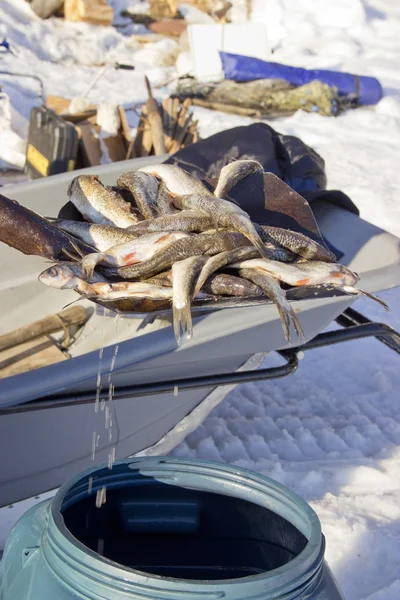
[(332, 431)]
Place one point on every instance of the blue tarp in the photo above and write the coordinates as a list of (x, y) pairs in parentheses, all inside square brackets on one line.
[(366, 90)]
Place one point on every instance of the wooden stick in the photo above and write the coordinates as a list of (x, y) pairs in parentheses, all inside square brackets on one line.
[(76, 315), (143, 142), (174, 112), (155, 122), (190, 135), (167, 120), (181, 123), (179, 138)]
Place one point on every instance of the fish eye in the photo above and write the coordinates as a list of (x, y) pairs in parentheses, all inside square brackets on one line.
[(52, 272)]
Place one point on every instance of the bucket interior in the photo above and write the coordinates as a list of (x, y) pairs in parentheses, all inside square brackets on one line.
[(168, 530)]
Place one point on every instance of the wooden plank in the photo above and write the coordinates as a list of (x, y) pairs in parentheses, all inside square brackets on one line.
[(125, 129), (61, 106), (34, 354), (89, 144), (96, 12), (74, 315), (116, 146)]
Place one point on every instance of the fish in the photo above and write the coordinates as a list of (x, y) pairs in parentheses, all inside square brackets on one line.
[(101, 237), (185, 220), (134, 251), (302, 274), (271, 288), (184, 274), (177, 181), (232, 173), (62, 277), (276, 252), (144, 189), (31, 234), (164, 279), (99, 203), (194, 245), (130, 289), (221, 260), (298, 243), (222, 284), (76, 269), (164, 205), (224, 213)]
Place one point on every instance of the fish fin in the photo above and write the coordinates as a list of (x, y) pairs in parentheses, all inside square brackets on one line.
[(89, 263), (352, 290), (70, 255), (89, 293), (73, 302), (76, 248)]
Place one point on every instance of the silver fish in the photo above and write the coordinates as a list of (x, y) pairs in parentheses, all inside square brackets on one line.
[(99, 203), (134, 251), (222, 284), (130, 289), (63, 277), (301, 274), (221, 260), (194, 245), (144, 189), (164, 204), (101, 237), (224, 213), (177, 181), (296, 242), (232, 173), (185, 220)]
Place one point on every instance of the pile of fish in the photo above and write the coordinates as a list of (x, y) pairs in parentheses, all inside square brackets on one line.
[(161, 236)]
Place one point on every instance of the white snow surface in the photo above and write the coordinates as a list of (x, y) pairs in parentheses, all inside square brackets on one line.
[(331, 432)]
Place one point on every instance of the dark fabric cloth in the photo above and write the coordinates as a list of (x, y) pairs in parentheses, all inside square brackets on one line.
[(286, 157)]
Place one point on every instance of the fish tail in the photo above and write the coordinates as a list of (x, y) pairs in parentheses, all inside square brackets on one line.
[(288, 318), (285, 320), (89, 263), (182, 318), (352, 290)]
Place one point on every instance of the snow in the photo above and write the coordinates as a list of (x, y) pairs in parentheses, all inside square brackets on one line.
[(331, 432)]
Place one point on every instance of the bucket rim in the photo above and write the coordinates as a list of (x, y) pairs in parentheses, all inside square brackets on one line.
[(295, 576)]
